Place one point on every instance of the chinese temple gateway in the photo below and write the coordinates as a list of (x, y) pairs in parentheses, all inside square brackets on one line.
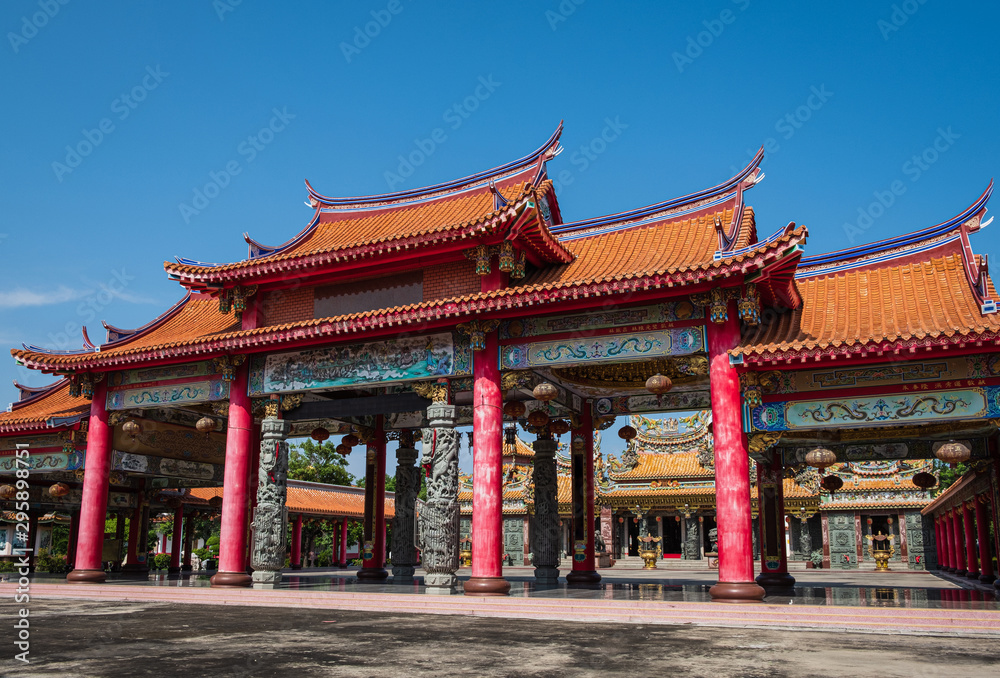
[(472, 302)]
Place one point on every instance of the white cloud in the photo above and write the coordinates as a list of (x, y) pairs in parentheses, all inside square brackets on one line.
[(20, 297)]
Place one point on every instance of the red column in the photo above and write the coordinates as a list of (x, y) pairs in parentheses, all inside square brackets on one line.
[(87, 566), (583, 500), (343, 543), (938, 543), (732, 469), (971, 557), (132, 563), (373, 561), (296, 558), (983, 533), (175, 542), (235, 494), (188, 542), (771, 504), (949, 552), (487, 465), (957, 547)]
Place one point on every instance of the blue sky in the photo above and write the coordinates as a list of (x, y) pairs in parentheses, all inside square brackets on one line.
[(158, 101)]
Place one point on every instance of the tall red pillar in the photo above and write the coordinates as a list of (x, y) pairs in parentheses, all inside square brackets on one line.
[(343, 542), (235, 494), (74, 534), (771, 504), (949, 553), (971, 556), (487, 470), (986, 575), (957, 543), (732, 469), (188, 542), (175, 542), (939, 543), (87, 565), (373, 548), (296, 558), (132, 563), (582, 471)]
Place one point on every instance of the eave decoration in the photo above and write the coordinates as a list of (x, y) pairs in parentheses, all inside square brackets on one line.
[(83, 385), (435, 391), (235, 299), (509, 259), (717, 300), (476, 330), (755, 384), (226, 365)]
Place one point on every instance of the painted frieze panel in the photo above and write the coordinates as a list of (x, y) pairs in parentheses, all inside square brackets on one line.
[(167, 373), (378, 362), (687, 400), (600, 320), (43, 461), (163, 466), (34, 442), (898, 408), (954, 372), (159, 395), (605, 348)]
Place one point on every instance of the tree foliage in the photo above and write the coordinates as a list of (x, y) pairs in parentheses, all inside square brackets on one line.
[(318, 463)]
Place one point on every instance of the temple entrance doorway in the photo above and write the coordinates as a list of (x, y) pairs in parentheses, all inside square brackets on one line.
[(633, 536), (672, 544)]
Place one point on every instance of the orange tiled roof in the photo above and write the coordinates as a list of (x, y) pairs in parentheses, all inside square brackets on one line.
[(317, 499), (200, 330), (665, 465), (34, 412)]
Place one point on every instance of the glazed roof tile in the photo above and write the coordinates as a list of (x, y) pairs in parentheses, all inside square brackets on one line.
[(37, 411), (665, 465), (317, 499)]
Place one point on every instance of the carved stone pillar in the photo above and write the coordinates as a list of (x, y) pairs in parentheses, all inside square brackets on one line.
[(545, 523), (440, 516), (404, 549), (692, 538), (270, 522), (805, 539)]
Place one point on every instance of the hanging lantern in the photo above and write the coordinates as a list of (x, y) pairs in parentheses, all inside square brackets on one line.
[(659, 519), (172, 502), (538, 418), (832, 483), (620, 519), (215, 502), (510, 436), (677, 518), (131, 428), (344, 449), (59, 490), (319, 434), (658, 385), (559, 427), (889, 520), (545, 392), (924, 480), (627, 433), (514, 409), (868, 521), (351, 440), (821, 458), (7, 492), (952, 452), (205, 425)]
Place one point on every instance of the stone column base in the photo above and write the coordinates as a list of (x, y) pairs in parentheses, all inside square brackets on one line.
[(373, 575), (173, 570), (987, 578), (87, 577), (775, 580), (736, 592), (440, 583), (230, 580), (402, 573), (135, 570), (582, 577), (487, 586), (297, 567), (546, 575), (265, 579), (186, 568)]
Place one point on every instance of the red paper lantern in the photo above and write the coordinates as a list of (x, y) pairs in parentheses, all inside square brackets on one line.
[(627, 433), (319, 434), (559, 427), (832, 483), (538, 418), (351, 439), (59, 490), (514, 409), (924, 480), (7, 492), (344, 449)]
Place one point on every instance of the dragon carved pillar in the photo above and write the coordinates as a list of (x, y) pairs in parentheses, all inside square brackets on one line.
[(270, 522), (439, 518)]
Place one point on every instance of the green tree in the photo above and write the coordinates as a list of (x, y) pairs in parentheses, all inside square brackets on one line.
[(318, 463), (948, 476)]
